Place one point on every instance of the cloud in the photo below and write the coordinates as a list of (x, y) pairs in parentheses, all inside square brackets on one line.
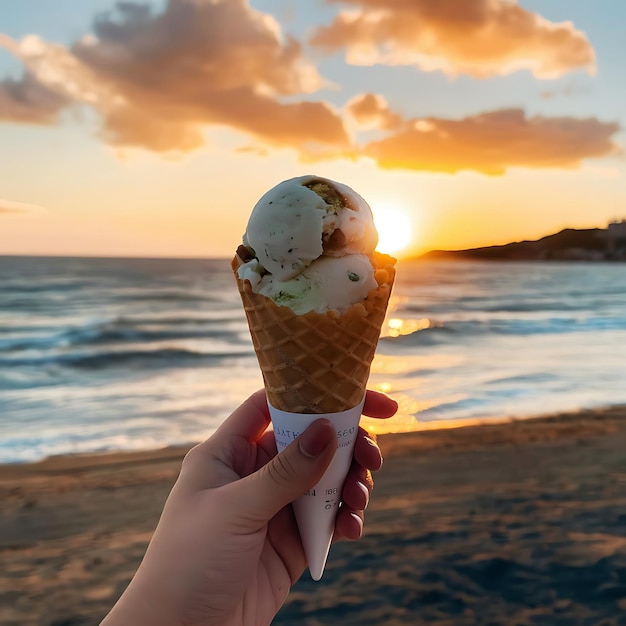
[(158, 80), (27, 101), (493, 142), (12, 208), (481, 38), (568, 91), (372, 111)]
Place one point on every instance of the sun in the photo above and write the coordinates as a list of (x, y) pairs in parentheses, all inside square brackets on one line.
[(394, 229)]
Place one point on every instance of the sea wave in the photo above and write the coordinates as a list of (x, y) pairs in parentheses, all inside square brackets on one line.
[(466, 329), (50, 286), (541, 326), (122, 330), (51, 301), (570, 303), (163, 357), (422, 337)]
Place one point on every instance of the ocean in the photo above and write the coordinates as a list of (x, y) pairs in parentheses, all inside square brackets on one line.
[(120, 354)]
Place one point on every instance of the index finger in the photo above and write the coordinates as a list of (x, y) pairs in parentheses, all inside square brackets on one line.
[(248, 420), (378, 404)]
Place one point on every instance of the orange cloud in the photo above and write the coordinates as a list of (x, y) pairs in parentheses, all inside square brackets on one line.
[(372, 111), (157, 80), (481, 38), (27, 101), (493, 142), (10, 207)]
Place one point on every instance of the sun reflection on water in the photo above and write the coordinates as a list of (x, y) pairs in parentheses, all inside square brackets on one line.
[(397, 326)]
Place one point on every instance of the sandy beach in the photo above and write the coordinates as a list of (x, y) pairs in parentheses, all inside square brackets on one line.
[(512, 523)]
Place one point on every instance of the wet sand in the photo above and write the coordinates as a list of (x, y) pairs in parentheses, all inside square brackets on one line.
[(514, 523)]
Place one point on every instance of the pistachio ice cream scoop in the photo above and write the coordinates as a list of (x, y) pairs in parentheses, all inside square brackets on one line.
[(307, 245)]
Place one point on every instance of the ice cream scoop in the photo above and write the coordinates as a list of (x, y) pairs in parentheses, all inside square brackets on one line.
[(328, 283), (309, 239)]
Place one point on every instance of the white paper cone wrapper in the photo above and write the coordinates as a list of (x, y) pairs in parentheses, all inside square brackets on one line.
[(316, 510)]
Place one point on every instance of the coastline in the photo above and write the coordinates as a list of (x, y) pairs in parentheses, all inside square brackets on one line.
[(518, 519), (74, 461)]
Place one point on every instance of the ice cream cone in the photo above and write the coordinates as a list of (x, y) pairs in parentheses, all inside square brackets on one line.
[(313, 365), (317, 362)]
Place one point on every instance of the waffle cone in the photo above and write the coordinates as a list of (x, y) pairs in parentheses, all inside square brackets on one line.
[(317, 362)]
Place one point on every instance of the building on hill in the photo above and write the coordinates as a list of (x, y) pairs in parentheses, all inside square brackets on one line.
[(616, 239)]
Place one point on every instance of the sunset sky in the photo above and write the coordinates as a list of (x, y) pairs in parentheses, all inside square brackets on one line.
[(151, 128)]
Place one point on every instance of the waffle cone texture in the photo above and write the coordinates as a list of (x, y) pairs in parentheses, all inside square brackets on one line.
[(317, 362)]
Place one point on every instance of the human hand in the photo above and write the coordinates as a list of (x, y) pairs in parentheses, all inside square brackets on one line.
[(227, 549)]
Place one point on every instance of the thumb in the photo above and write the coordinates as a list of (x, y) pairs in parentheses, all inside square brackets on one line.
[(289, 474)]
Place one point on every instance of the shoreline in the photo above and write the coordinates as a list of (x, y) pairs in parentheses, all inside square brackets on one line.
[(66, 461), (514, 522)]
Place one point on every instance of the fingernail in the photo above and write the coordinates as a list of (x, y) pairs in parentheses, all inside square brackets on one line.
[(366, 493), (315, 439), (371, 441), (360, 522)]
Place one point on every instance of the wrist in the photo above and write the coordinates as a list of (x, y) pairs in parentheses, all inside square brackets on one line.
[(136, 609)]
